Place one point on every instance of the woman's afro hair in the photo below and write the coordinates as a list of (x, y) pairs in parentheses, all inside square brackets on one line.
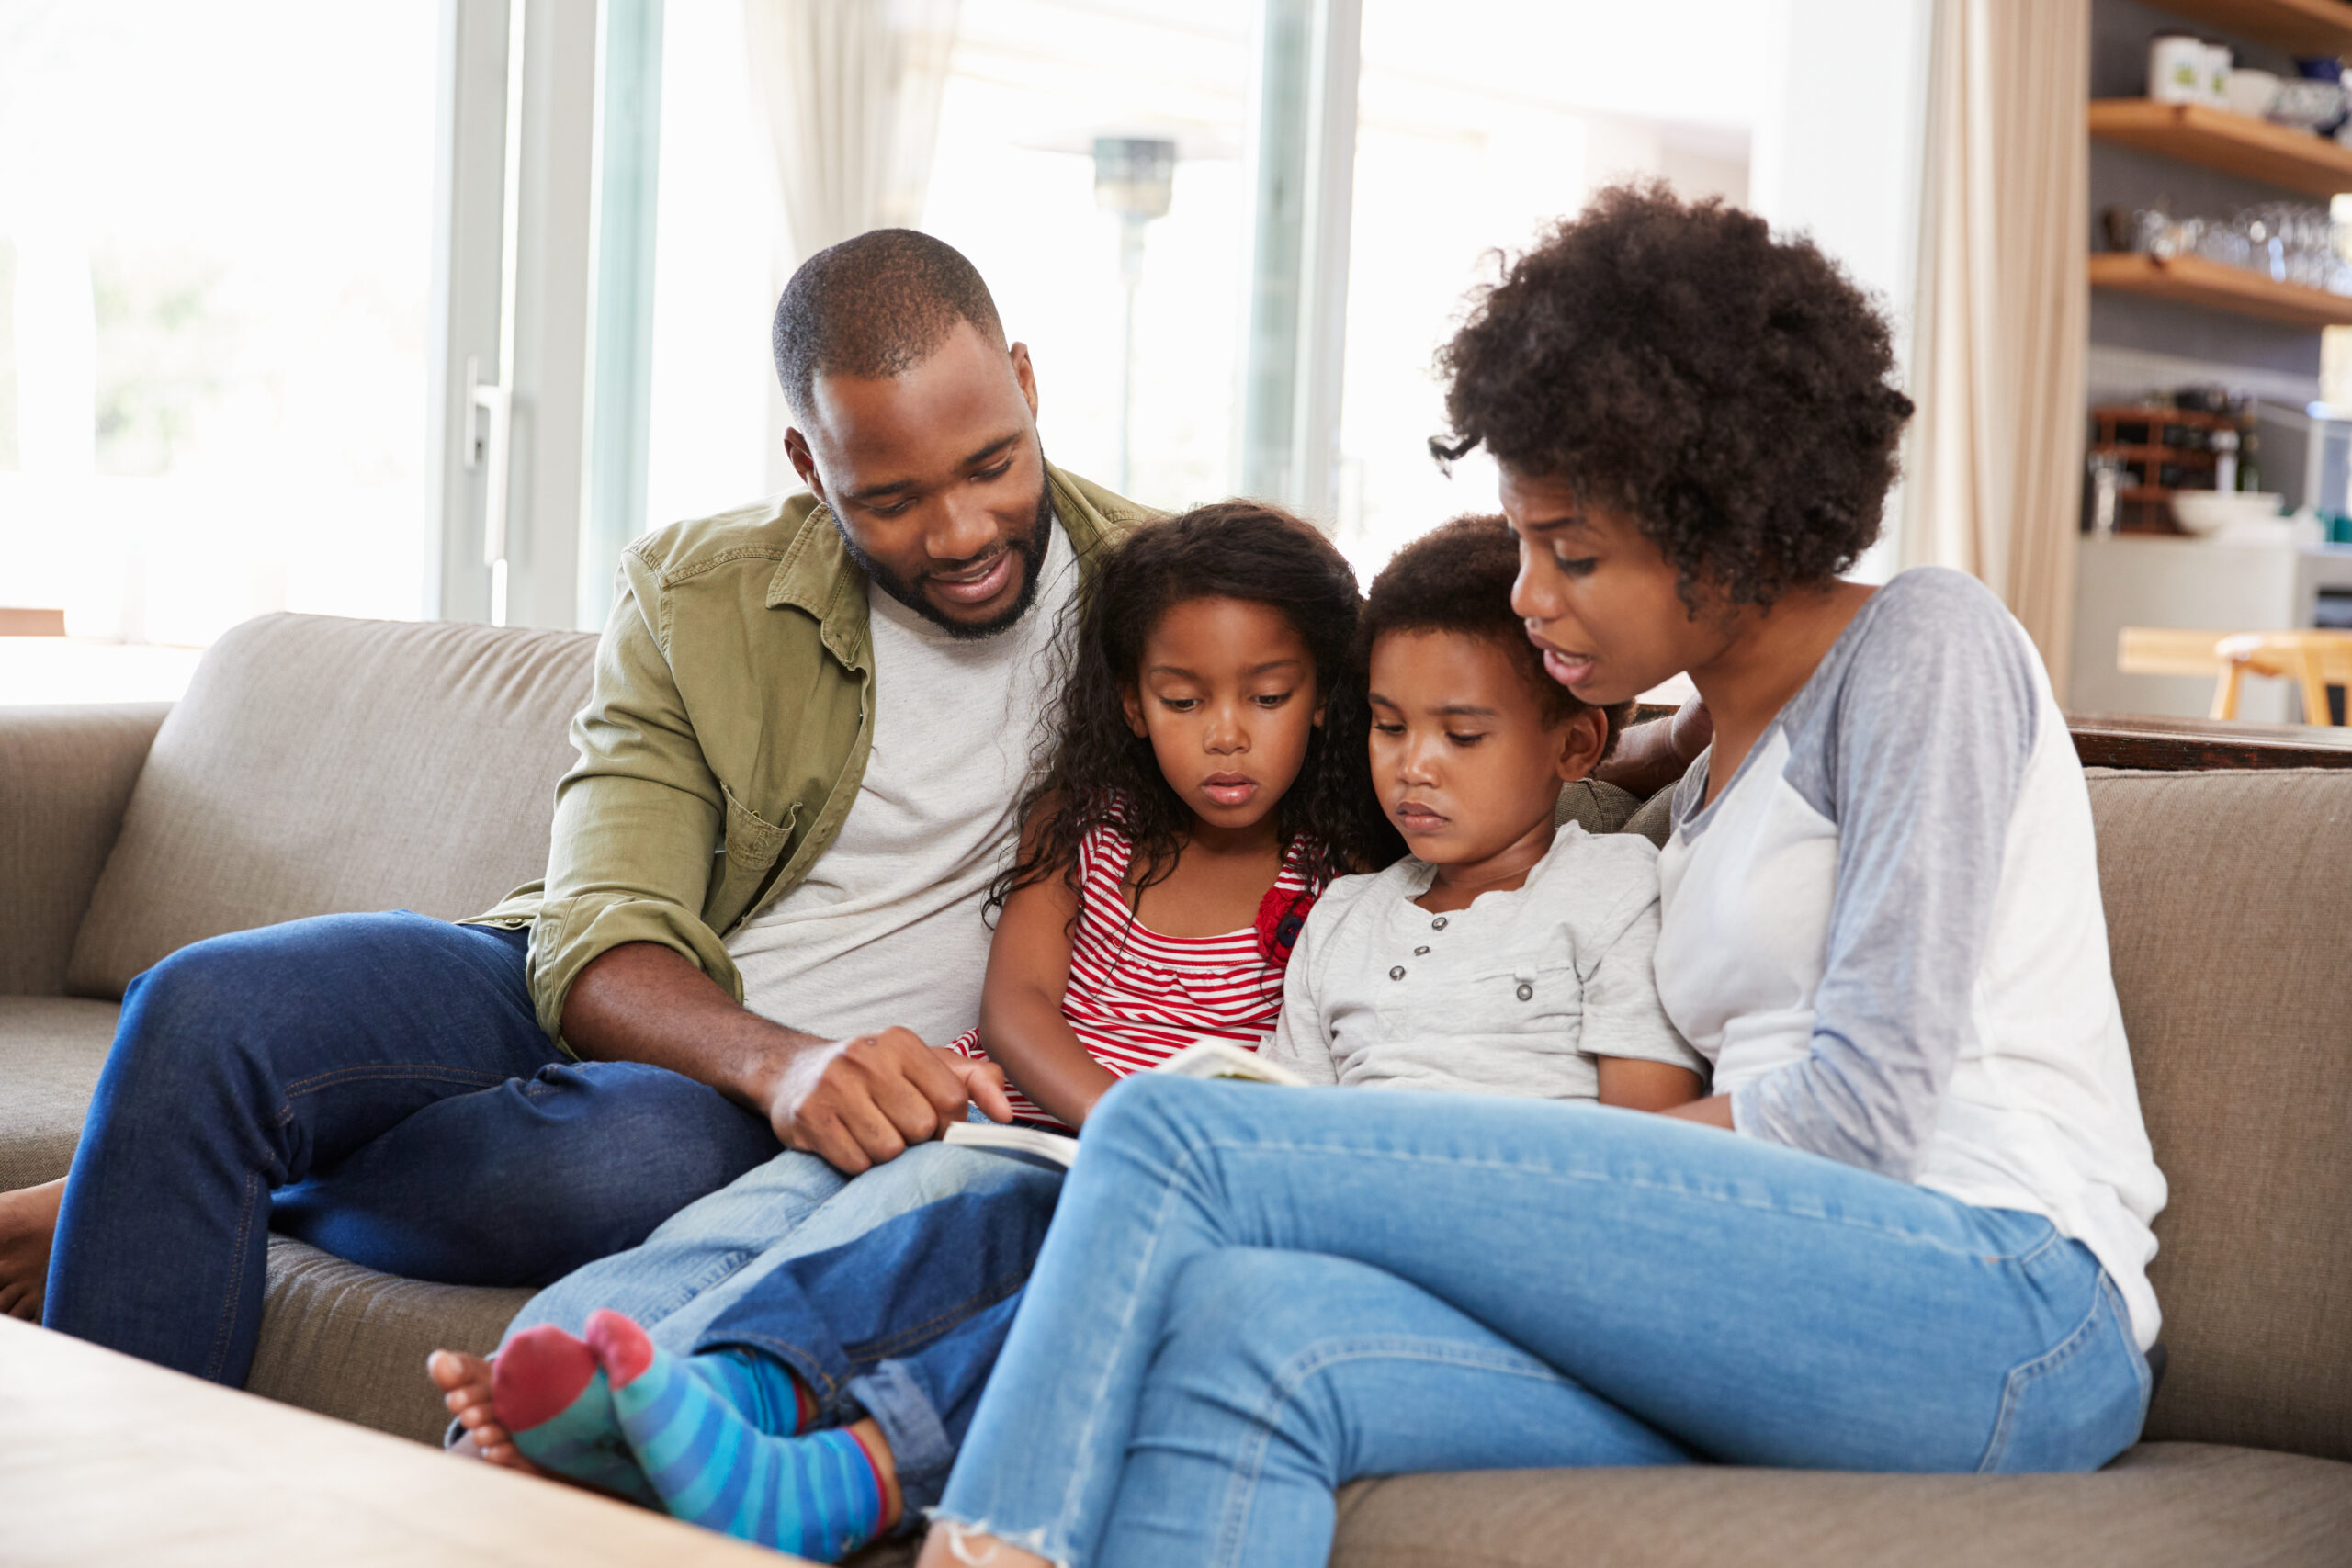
[(1731, 393), (1456, 578)]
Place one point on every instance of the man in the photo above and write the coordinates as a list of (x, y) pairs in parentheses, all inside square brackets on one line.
[(763, 898)]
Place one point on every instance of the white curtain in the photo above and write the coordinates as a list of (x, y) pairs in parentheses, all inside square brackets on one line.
[(850, 92), (1996, 448)]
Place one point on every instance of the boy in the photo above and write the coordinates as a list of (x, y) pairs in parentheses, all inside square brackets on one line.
[(1503, 955)]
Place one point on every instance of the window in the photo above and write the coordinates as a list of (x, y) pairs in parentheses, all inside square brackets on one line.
[(217, 259), (1031, 86), (1464, 147)]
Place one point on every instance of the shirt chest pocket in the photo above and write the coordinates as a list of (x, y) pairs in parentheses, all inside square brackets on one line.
[(1490, 996), (749, 853)]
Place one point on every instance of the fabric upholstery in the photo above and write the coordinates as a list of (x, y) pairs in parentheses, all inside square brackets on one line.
[(1595, 806), (2161, 1506), (50, 1051), (1654, 818), (320, 765), (65, 775), (2229, 908), (349, 1342)]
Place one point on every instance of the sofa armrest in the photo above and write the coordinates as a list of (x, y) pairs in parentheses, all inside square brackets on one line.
[(66, 777)]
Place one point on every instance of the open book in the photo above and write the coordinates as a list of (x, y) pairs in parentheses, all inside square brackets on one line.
[(1200, 1059)]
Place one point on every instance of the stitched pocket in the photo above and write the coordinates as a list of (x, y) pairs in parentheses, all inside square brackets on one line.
[(2078, 1404), (753, 841), (753, 847)]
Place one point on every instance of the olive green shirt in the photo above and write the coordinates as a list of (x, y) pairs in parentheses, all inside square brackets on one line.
[(725, 735)]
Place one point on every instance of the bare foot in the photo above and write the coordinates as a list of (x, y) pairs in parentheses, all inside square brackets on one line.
[(947, 1547), (27, 1226), (464, 1382)]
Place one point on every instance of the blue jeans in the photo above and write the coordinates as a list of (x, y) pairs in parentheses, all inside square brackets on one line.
[(376, 1085), (889, 1294), (1254, 1295)]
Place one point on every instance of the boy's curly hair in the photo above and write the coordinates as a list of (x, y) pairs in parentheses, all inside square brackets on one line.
[(1093, 765), (1731, 393), (1457, 578)]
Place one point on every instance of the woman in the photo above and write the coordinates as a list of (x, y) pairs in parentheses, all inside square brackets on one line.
[(1909, 1228)]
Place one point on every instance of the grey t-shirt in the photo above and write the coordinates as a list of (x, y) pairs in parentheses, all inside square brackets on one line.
[(1518, 994)]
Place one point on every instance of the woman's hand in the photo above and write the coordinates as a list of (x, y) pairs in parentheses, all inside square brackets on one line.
[(1712, 1111), (1651, 757)]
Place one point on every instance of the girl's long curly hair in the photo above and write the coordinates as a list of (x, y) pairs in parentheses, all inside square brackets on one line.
[(1093, 766)]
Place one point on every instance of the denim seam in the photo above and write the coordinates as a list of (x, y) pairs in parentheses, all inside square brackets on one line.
[(875, 1350), (223, 1331), (1261, 1146), (318, 1081), (1281, 1390), (971, 1306), (2022, 1377)]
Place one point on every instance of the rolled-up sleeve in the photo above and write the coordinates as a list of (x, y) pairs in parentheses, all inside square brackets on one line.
[(637, 819)]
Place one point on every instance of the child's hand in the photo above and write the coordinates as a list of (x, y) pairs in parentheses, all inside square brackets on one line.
[(983, 1082)]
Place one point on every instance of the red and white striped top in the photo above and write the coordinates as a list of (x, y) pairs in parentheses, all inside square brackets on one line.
[(1136, 998)]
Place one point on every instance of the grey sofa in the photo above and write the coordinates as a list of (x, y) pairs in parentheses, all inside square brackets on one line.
[(319, 765)]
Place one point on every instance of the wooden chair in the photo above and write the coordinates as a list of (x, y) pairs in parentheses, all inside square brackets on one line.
[(2314, 659)]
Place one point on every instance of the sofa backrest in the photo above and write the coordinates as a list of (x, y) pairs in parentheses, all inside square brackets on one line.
[(320, 765), (2229, 911)]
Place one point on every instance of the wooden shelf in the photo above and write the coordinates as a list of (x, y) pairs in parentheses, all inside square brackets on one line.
[(2194, 280), (2300, 27), (2234, 144)]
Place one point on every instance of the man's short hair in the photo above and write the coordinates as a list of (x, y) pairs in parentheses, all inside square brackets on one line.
[(875, 306), (1457, 578)]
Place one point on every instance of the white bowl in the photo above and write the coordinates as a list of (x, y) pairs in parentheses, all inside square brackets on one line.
[(2211, 511), (2251, 92)]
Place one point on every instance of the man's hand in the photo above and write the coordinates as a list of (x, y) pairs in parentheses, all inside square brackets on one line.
[(863, 1102), (856, 1102)]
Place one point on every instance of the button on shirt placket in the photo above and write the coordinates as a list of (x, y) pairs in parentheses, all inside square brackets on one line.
[(1437, 923)]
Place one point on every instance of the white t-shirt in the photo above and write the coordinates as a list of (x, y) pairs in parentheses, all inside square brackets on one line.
[(887, 928), (1886, 930), (1518, 994)]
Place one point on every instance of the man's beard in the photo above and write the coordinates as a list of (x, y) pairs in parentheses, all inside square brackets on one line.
[(1030, 548)]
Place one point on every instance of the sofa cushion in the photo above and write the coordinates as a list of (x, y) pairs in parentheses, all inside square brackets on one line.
[(2160, 1505), (1595, 806), (50, 1051), (2229, 901), (349, 1342), (67, 774), (320, 765)]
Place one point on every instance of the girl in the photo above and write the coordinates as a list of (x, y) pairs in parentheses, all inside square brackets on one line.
[(1909, 1229), (1206, 783)]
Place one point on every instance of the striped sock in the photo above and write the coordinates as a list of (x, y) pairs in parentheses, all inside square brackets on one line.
[(553, 1399), (761, 1387), (816, 1496)]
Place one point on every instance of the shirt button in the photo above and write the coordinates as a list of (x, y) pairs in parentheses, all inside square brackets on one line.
[(1397, 972), (1419, 951), (1526, 992), (1438, 924)]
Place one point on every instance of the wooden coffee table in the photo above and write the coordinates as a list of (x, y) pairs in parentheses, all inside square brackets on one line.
[(105, 1459)]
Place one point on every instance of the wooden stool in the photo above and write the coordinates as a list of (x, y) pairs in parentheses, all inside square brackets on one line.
[(2315, 661)]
